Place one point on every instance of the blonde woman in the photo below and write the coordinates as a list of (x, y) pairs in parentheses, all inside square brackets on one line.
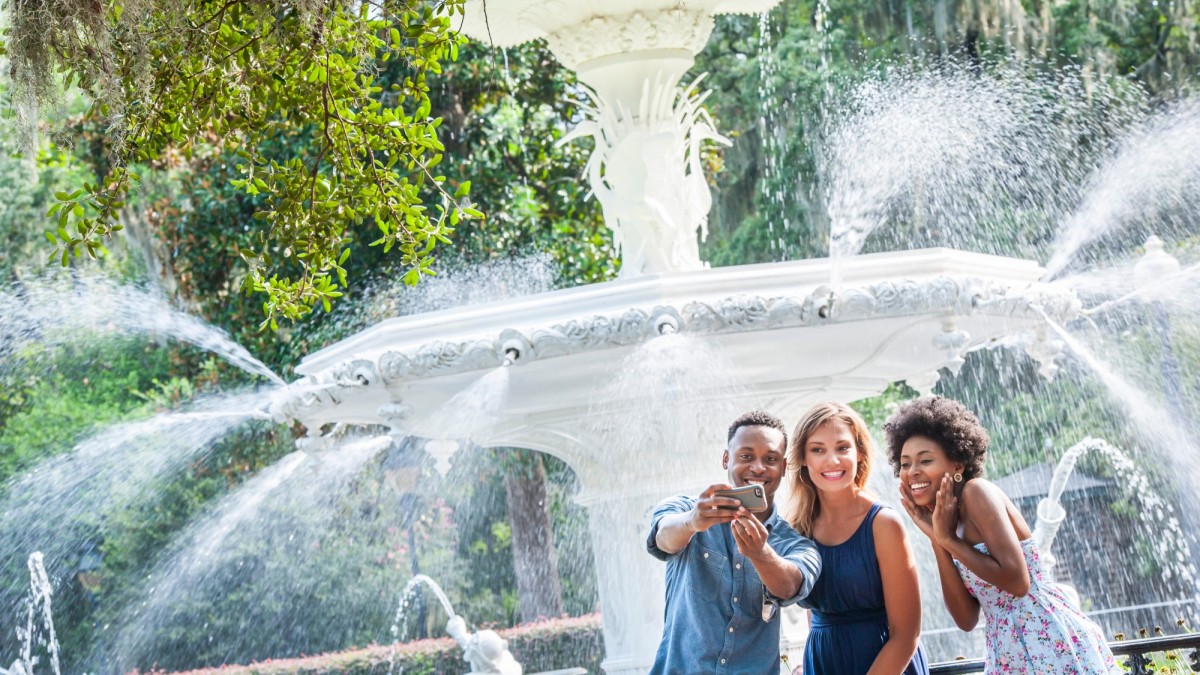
[(866, 609)]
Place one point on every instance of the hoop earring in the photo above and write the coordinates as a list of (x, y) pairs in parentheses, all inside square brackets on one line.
[(958, 477)]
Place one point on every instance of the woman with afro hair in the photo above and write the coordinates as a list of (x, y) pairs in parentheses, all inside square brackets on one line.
[(984, 549)]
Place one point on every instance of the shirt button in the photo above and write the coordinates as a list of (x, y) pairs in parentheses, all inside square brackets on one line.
[(738, 566), (731, 629), (705, 555), (735, 598), (722, 661)]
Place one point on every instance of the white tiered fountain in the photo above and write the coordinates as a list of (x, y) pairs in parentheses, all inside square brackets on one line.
[(894, 316)]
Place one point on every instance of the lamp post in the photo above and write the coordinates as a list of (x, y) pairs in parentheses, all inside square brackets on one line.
[(1155, 279), (1152, 277), (402, 473), (87, 573)]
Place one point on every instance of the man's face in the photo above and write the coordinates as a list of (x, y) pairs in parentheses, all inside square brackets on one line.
[(756, 455)]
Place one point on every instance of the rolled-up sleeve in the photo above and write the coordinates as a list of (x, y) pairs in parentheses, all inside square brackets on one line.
[(804, 555), (666, 507)]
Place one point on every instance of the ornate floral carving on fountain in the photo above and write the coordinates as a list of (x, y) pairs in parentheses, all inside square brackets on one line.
[(597, 332), (885, 298), (740, 313), (359, 372), (647, 173), (437, 357), (948, 295), (599, 36)]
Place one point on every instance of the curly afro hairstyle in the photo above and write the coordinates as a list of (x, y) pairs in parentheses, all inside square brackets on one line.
[(946, 422)]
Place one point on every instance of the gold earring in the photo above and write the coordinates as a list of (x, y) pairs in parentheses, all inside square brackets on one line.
[(958, 477)]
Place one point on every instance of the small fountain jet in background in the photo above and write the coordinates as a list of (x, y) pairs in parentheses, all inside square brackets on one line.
[(486, 651)]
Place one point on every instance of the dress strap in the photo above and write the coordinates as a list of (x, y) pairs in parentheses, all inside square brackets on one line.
[(872, 513)]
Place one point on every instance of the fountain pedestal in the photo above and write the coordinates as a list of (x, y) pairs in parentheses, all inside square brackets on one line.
[(646, 169), (631, 590)]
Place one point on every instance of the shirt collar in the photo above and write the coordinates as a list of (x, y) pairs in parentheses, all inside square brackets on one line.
[(772, 519)]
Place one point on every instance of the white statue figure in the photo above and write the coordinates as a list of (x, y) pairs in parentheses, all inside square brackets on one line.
[(486, 651), (647, 174)]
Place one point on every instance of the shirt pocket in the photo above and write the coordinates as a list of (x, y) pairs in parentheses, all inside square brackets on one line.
[(707, 573)]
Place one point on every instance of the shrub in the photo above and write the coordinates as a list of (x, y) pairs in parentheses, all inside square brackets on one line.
[(545, 645)]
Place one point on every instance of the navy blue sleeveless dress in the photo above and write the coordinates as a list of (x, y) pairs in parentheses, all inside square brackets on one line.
[(849, 623)]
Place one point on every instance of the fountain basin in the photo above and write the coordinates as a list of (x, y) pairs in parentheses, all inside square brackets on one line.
[(898, 316)]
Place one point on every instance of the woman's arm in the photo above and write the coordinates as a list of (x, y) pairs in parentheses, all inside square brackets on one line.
[(1003, 565), (963, 606), (901, 594)]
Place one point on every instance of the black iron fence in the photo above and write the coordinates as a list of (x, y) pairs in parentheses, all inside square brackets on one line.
[(1179, 653)]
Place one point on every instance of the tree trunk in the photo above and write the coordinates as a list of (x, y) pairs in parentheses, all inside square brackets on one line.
[(941, 21), (535, 560)]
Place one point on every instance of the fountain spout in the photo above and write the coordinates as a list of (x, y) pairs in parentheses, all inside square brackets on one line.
[(1050, 512), (485, 650), (510, 356)]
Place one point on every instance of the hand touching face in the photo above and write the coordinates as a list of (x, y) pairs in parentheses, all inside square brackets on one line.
[(923, 463)]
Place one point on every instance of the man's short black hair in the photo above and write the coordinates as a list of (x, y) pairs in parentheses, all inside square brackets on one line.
[(757, 418)]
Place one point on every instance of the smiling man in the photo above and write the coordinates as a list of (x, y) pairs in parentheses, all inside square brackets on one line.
[(729, 570)]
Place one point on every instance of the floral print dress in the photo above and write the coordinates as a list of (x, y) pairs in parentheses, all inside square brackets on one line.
[(1039, 633)]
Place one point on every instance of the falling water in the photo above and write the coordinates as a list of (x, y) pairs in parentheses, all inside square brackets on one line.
[(63, 501), (494, 280), (253, 545), (406, 595), (771, 130), (1167, 437), (38, 633), (54, 310), (674, 393), (1171, 546), (469, 412), (1177, 289), (407, 592), (1152, 182), (946, 153), (1157, 427)]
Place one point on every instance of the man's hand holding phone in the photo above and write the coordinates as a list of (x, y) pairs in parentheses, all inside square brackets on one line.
[(714, 509), (753, 497)]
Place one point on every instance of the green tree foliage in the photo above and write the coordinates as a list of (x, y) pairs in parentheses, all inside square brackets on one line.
[(778, 81), (505, 113), (500, 118), (168, 79), (53, 396), (501, 114)]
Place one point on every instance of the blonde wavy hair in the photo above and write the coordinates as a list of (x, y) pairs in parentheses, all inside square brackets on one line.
[(805, 506)]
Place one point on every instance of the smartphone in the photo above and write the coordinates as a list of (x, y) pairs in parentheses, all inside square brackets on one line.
[(751, 496)]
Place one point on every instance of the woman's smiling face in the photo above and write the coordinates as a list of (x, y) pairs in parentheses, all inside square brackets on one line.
[(922, 464), (831, 456)]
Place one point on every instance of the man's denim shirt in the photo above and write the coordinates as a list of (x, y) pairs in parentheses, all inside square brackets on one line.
[(714, 618)]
